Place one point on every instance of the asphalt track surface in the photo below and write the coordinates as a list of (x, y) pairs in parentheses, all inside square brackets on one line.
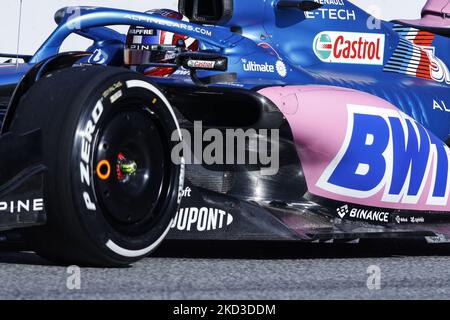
[(243, 271)]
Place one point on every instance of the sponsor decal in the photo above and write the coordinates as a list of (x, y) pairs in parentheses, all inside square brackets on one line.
[(415, 56), (387, 153), (140, 31), (201, 219), (252, 66), (342, 211), (186, 192), (281, 68), (409, 220), (98, 57), (331, 14), (181, 26), (400, 220), (331, 2), (350, 47), (362, 214), (111, 89), (417, 219), (182, 72), (22, 206), (203, 64), (440, 106)]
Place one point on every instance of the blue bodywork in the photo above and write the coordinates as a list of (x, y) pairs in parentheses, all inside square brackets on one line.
[(334, 45), (268, 35)]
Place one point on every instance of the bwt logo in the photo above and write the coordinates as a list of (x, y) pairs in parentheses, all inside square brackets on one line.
[(385, 150)]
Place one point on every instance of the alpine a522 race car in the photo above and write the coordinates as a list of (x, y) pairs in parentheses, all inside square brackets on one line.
[(340, 124)]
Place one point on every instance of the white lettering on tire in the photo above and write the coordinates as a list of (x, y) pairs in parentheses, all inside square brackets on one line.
[(86, 151), (142, 252)]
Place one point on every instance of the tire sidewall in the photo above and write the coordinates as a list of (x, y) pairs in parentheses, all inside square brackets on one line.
[(99, 105)]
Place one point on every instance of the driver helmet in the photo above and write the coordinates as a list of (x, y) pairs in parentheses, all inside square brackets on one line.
[(152, 51)]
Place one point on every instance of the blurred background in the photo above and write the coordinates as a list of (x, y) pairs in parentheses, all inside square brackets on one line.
[(38, 23)]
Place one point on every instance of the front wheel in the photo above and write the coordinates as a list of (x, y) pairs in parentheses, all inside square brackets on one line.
[(111, 187)]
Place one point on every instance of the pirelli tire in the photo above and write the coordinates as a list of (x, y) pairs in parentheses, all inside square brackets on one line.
[(111, 187)]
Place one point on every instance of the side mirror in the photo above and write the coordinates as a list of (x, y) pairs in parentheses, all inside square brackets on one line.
[(305, 5), (194, 61), (202, 61)]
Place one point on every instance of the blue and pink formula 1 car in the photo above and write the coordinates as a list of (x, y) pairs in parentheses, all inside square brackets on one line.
[(358, 112)]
